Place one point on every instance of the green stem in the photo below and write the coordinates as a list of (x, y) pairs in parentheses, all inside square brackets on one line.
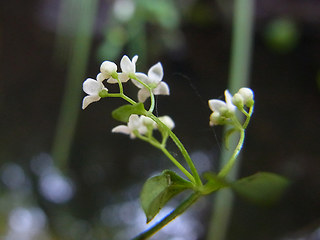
[(226, 169), (115, 76), (165, 151), (156, 144), (134, 77), (181, 148), (239, 77), (121, 95), (175, 213), (248, 118)]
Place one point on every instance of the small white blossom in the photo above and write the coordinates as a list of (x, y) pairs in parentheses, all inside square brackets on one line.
[(167, 121), (154, 81), (93, 88), (128, 68), (107, 68), (135, 123), (221, 110)]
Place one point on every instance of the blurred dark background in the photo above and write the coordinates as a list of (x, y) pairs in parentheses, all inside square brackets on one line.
[(64, 175)]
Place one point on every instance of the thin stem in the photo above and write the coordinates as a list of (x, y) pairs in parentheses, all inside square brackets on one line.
[(175, 213), (156, 144), (226, 169), (181, 148), (165, 151), (244, 112), (119, 82), (248, 118), (134, 77), (239, 77), (121, 95)]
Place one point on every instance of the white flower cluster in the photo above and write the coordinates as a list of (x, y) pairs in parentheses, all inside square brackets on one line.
[(108, 70), (142, 125), (222, 112)]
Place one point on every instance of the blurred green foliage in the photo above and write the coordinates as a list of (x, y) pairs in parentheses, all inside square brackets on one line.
[(282, 35), (128, 27)]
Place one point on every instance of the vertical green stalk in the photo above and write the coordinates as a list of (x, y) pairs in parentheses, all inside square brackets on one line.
[(71, 103), (239, 77)]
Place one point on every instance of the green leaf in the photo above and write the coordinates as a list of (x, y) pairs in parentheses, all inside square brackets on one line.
[(123, 113), (158, 190), (261, 188)]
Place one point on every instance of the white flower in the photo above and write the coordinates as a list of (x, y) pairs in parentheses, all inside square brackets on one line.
[(128, 68), (221, 110), (153, 80), (218, 105), (167, 121), (107, 68), (135, 123), (93, 88)]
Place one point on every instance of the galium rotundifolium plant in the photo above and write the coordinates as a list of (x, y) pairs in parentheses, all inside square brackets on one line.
[(139, 121)]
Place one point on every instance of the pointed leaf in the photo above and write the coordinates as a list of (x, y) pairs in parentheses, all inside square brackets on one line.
[(261, 188), (158, 190), (123, 113)]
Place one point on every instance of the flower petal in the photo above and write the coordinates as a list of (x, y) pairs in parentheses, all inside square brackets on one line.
[(229, 103), (143, 94), (128, 66), (155, 73), (142, 77), (112, 80), (167, 121), (134, 61), (161, 89), (92, 87), (216, 104), (100, 77), (134, 122), (89, 99), (125, 64), (121, 129), (123, 77)]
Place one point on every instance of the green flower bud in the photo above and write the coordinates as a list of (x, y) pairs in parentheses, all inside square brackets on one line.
[(237, 100)]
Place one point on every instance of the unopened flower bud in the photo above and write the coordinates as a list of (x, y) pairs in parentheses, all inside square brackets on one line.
[(237, 100), (247, 95), (107, 68), (215, 119)]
